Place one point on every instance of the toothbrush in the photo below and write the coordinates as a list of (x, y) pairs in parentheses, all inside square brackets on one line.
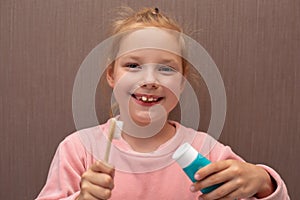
[(114, 133)]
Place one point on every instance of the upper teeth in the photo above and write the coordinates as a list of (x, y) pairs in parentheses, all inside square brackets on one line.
[(146, 99)]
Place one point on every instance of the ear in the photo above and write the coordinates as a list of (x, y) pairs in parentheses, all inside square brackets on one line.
[(110, 76)]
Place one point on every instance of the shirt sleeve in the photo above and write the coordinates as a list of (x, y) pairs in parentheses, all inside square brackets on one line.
[(68, 164), (221, 152)]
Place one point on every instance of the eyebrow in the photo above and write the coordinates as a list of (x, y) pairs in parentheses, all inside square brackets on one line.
[(161, 60)]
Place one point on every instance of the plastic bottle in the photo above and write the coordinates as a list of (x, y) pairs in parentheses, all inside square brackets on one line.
[(191, 161)]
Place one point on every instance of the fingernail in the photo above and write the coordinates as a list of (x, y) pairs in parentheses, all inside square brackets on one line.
[(200, 198), (192, 188), (197, 177)]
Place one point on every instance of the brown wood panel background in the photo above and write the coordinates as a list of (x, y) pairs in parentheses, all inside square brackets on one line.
[(255, 44)]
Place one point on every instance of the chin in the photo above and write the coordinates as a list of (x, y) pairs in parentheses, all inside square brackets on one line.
[(144, 118)]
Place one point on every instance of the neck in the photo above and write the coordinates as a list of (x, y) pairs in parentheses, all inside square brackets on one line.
[(150, 144)]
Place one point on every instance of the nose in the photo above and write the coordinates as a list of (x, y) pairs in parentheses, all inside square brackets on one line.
[(150, 79), (150, 85)]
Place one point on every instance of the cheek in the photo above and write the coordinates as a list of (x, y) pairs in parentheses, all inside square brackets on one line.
[(124, 85), (173, 86)]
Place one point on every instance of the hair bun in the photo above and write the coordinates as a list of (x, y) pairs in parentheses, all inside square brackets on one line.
[(156, 11)]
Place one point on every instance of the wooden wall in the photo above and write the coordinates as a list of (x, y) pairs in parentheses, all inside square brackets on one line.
[(255, 44)]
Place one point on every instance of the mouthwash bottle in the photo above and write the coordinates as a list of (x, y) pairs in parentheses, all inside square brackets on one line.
[(191, 161)]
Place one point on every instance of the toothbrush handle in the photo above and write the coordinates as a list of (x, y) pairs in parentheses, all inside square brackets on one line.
[(110, 138)]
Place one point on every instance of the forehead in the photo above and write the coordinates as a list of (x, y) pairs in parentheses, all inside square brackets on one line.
[(143, 56), (150, 38)]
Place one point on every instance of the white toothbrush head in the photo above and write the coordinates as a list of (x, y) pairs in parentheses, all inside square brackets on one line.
[(118, 129)]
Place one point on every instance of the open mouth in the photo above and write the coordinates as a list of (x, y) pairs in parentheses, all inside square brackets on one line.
[(147, 99)]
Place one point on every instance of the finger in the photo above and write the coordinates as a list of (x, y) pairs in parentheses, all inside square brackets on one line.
[(216, 178), (100, 179), (231, 196), (103, 167), (94, 191), (211, 169), (238, 194), (87, 196), (221, 192)]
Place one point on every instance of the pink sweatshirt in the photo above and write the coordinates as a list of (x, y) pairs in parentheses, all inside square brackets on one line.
[(144, 176)]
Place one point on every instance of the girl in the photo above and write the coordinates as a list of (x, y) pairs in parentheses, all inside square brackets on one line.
[(147, 83)]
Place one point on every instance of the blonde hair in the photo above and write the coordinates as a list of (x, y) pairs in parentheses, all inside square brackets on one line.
[(145, 17), (129, 20)]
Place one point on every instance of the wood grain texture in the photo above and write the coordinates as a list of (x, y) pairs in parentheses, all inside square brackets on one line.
[(255, 44)]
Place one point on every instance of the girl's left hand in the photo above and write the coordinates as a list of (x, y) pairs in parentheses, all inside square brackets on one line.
[(240, 180)]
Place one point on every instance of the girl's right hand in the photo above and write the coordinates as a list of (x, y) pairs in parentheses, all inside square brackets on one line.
[(97, 182)]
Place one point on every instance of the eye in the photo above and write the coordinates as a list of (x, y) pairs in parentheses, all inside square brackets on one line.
[(133, 66), (166, 69)]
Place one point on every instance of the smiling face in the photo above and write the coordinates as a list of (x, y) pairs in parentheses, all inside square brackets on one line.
[(147, 75), (146, 78)]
